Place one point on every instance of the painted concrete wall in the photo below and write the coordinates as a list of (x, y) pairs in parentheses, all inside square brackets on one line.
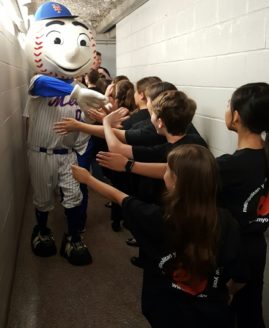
[(13, 167), (206, 47), (108, 51)]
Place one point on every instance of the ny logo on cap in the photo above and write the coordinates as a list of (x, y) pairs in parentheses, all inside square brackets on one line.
[(57, 8)]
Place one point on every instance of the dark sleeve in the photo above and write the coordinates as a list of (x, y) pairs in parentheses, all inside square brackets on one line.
[(106, 70), (145, 221), (143, 136), (225, 168), (197, 139), (231, 250), (127, 124), (227, 179), (154, 154), (192, 130)]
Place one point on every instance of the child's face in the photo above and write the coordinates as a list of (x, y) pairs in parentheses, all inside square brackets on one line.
[(139, 98), (97, 62), (169, 179)]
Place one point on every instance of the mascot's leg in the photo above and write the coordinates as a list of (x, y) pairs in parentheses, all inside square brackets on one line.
[(42, 241), (73, 247)]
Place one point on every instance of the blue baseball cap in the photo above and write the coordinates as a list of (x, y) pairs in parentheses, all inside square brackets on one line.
[(50, 10)]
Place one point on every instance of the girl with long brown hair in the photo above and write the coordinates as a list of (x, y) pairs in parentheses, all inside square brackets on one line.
[(193, 249)]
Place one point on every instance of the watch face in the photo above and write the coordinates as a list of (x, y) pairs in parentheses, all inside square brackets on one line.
[(129, 165)]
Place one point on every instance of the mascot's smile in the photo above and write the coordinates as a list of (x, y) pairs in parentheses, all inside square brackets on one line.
[(67, 69)]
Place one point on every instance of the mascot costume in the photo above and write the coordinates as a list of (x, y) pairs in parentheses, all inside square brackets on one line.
[(60, 48)]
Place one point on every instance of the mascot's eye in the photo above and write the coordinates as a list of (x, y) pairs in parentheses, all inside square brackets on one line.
[(54, 37), (83, 40), (57, 41)]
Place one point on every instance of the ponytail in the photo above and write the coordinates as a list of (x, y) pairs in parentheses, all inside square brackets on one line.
[(266, 148)]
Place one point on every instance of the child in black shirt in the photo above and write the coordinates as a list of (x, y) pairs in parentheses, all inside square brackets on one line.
[(194, 263), (171, 113), (244, 179), (244, 189)]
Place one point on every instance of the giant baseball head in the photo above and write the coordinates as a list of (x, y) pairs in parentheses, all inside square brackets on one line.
[(58, 44)]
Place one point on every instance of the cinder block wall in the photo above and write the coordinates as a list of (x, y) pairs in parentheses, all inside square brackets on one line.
[(206, 47), (13, 165)]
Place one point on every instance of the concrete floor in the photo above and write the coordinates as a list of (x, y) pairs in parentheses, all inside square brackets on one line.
[(51, 293)]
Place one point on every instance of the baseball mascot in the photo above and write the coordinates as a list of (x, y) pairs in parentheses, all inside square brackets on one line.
[(60, 48)]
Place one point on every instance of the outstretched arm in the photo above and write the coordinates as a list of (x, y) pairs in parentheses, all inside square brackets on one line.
[(117, 162), (48, 86), (84, 176), (71, 124), (113, 143)]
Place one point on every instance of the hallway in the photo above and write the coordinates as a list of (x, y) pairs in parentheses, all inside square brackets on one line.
[(51, 293), (207, 49)]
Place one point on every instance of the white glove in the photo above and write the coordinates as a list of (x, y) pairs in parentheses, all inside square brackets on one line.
[(88, 98)]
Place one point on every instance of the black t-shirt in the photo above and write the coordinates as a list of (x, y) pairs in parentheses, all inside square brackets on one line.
[(147, 224), (106, 70), (242, 179), (135, 118), (144, 134), (158, 153)]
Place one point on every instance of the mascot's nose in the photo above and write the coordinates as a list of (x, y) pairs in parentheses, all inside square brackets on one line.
[(71, 54)]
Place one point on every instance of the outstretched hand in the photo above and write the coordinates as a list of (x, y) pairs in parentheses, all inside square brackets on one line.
[(80, 174), (67, 125), (112, 161), (116, 117), (97, 114)]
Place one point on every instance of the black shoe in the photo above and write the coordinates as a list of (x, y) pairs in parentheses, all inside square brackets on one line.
[(108, 204), (132, 242), (137, 262), (42, 242), (115, 225), (82, 230), (75, 251)]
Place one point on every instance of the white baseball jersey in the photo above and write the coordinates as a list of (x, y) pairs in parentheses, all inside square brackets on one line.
[(48, 170)]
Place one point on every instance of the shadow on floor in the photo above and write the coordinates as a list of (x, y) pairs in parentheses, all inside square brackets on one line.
[(51, 293)]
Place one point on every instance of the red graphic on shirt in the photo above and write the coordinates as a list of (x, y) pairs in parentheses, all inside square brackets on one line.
[(263, 206), (57, 8), (186, 282)]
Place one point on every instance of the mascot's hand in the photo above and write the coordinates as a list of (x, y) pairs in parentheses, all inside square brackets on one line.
[(88, 98)]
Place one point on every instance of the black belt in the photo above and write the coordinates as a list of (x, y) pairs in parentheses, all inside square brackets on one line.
[(60, 151)]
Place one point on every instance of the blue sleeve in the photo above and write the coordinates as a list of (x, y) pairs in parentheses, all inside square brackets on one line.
[(47, 86)]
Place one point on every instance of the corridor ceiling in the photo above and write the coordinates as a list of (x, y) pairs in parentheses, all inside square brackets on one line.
[(94, 11)]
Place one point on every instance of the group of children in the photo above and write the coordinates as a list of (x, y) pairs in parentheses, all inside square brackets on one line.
[(199, 221)]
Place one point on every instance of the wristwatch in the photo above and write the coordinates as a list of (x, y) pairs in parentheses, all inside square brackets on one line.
[(129, 165)]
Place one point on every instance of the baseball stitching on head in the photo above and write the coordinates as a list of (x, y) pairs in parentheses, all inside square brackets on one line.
[(38, 49)]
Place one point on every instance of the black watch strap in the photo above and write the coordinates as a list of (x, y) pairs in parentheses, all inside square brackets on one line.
[(129, 165)]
